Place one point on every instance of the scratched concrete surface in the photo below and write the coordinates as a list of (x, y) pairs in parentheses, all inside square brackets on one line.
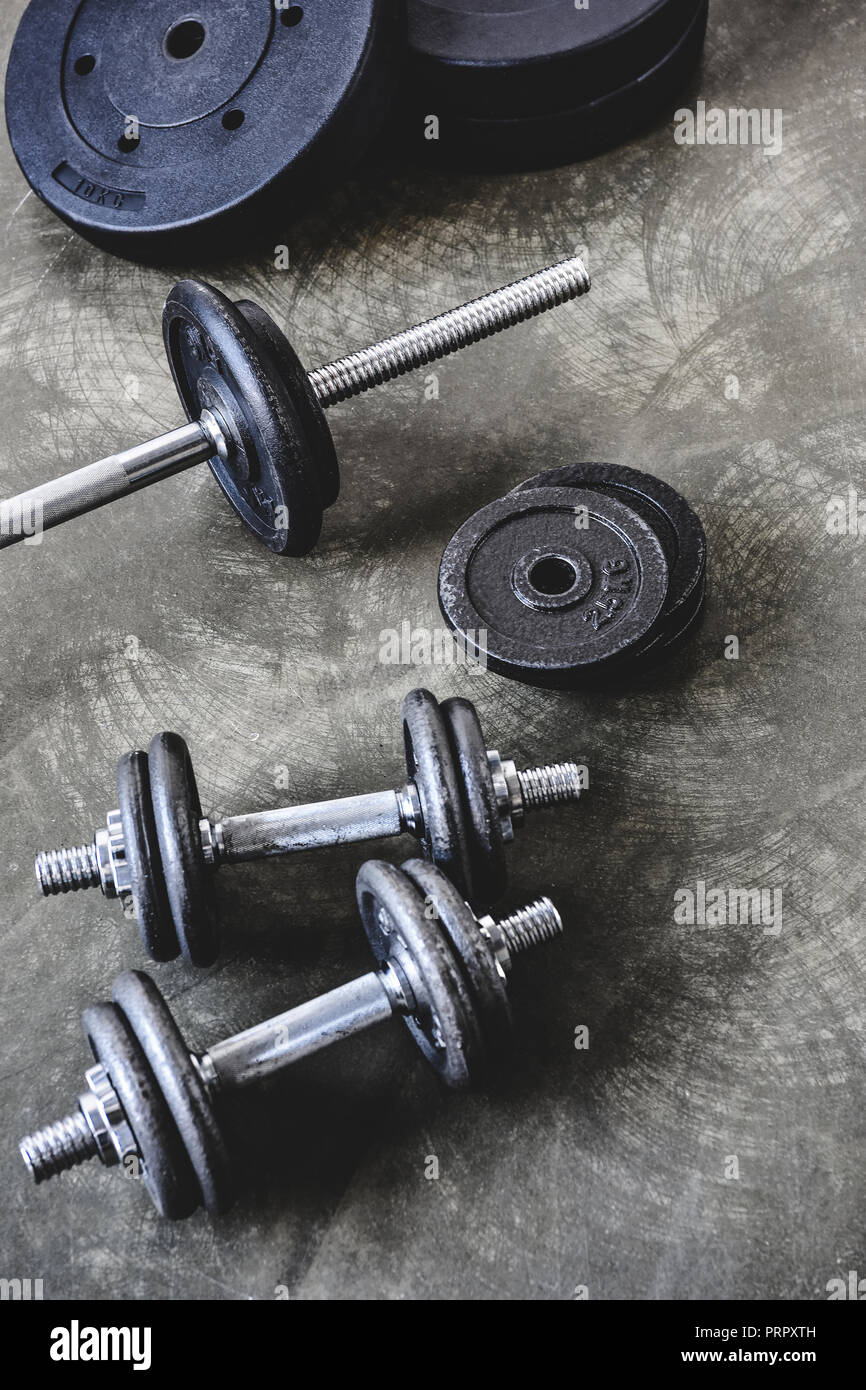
[(603, 1168)]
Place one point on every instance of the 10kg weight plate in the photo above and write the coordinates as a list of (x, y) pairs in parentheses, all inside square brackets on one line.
[(553, 585), (147, 125)]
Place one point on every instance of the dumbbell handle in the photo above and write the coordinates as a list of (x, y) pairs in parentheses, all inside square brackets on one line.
[(278, 1042), (99, 483), (269, 1047), (50, 504), (290, 829), (261, 834)]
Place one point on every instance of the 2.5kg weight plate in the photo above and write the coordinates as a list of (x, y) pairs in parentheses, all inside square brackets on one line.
[(675, 523), (147, 125), (517, 83), (553, 586)]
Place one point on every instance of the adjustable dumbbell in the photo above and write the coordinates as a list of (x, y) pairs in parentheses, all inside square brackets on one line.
[(153, 1107), (257, 417), (157, 852)]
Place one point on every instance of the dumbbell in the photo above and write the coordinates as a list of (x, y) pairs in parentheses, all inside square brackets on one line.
[(257, 417), (153, 1106), (157, 852)]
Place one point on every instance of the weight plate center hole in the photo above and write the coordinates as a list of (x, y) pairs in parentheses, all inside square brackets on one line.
[(552, 575), (184, 39), (546, 579)]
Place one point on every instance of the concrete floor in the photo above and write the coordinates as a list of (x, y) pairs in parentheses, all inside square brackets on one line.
[(609, 1169)]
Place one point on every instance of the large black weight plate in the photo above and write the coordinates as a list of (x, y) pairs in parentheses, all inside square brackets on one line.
[(561, 582), (141, 847), (430, 762), (445, 1024), (221, 362), (675, 523), (239, 109), (517, 83), (166, 1169), (188, 880), (184, 1092), (461, 927), (489, 873)]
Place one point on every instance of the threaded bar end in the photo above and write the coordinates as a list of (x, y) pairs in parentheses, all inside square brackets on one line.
[(67, 870), (449, 332), (531, 926), (550, 785), (58, 1147)]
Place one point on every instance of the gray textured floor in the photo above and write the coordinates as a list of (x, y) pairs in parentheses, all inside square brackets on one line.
[(603, 1168)]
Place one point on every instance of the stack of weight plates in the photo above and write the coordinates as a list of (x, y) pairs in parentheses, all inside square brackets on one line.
[(581, 575), (158, 129), (522, 83)]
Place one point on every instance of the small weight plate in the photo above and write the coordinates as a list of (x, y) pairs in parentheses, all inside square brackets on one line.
[(557, 583), (166, 1169), (444, 1024), (160, 128), (430, 762), (517, 83), (665, 646), (141, 847), (221, 362), (188, 881), (182, 1089), (294, 375), (675, 523), (489, 873), (460, 925)]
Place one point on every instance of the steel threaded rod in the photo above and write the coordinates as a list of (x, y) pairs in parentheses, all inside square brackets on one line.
[(67, 870), (63, 1145), (449, 332), (530, 926), (550, 785), (26, 516)]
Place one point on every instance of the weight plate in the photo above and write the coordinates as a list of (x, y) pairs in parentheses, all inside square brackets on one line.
[(677, 526), (471, 950), (561, 582), (157, 129), (141, 848), (430, 763), (444, 1023), (166, 1169), (486, 840), (516, 83), (220, 362), (317, 431), (177, 811), (183, 1090), (664, 647)]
